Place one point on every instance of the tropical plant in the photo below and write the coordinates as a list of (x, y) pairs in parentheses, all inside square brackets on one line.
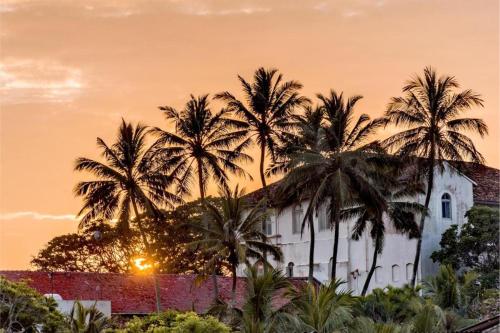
[(397, 188), (474, 245), (431, 110), (23, 309), (206, 144), (337, 168), (233, 233), (269, 103), (173, 322), (131, 179), (321, 309), (87, 320)]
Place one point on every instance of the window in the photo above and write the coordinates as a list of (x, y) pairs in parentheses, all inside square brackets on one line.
[(297, 216), (289, 269), (267, 226), (446, 206), (378, 274), (409, 271), (322, 220), (260, 269), (395, 273)]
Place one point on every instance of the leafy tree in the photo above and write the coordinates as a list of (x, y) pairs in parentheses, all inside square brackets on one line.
[(132, 179), (233, 233), (338, 167), (431, 110), (103, 247), (22, 309), (474, 245)]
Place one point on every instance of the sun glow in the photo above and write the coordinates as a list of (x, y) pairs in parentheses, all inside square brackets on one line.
[(141, 264)]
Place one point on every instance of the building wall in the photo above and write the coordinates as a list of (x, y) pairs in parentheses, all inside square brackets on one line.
[(355, 257)]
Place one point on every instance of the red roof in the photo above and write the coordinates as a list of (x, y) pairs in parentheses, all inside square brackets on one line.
[(486, 191), (132, 294)]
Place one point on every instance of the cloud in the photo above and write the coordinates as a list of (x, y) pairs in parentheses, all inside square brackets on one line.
[(37, 216), (32, 81), (225, 12)]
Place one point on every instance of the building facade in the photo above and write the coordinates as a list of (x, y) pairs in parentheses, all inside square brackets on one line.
[(454, 193)]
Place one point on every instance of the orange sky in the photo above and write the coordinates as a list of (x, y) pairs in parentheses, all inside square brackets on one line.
[(69, 70)]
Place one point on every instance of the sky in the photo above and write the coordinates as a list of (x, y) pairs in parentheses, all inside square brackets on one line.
[(70, 70)]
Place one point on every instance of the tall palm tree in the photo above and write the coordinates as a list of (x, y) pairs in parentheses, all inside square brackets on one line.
[(337, 168), (234, 233), (431, 110), (307, 137), (206, 144), (269, 103), (129, 180), (397, 189)]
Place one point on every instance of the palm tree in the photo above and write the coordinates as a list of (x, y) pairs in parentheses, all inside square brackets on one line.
[(87, 320), (322, 309), (129, 180), (307, 137), (206, 144), (234, 233), (337, 168), (401, 213), (269, 105), (431, 111)]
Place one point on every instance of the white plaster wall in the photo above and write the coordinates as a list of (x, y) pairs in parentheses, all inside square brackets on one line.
[(356, 256)]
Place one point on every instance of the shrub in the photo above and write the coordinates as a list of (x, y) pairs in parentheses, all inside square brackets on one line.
[(174, 322), (24, 309)]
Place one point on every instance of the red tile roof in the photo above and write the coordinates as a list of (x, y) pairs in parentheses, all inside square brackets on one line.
[(133, 294), (487, 190)]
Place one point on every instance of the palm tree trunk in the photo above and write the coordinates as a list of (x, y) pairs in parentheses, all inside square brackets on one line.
[(264, 186), (373, 267), (203, 202), (149, 250), (233, 289), (335, 247), (430, 181), (311, 250)]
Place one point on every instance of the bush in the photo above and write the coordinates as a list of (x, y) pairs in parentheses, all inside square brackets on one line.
[(24, 309), (174, 322)]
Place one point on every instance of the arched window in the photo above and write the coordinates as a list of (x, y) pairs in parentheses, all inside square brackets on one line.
[(260, 268), (378, 274), (395, 273), (446, 206), (267, 226), (297, 216), (409, 271), (322, 220), (289, 269)]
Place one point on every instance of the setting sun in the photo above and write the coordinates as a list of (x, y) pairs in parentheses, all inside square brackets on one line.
[(141, 264)]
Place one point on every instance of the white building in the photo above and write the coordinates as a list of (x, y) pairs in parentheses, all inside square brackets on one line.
[(454, 193)]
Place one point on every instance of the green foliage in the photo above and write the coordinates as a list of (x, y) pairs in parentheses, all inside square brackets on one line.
[(389, 304), (24, 309), (322, 309), (113, 250), (174, 322), (474, 246), (86, 320)]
